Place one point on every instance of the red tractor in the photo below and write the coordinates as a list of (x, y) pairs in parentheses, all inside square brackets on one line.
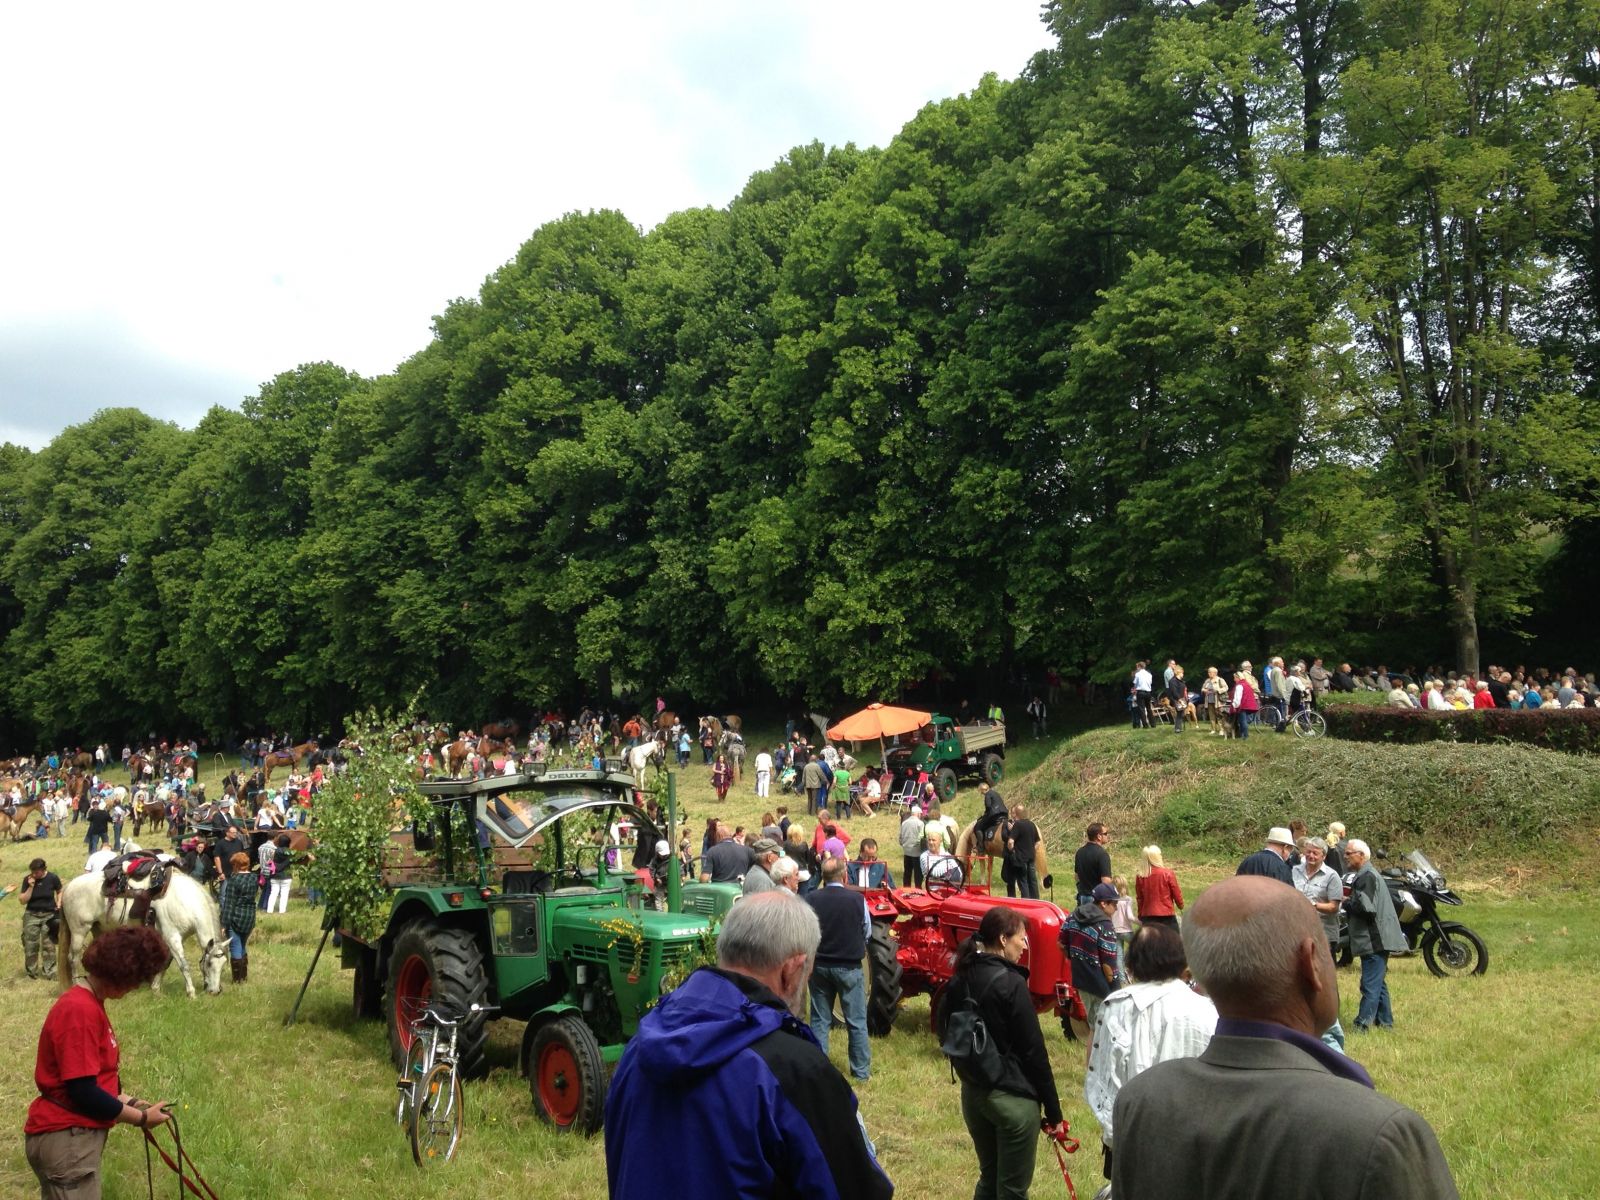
[(915, 933)]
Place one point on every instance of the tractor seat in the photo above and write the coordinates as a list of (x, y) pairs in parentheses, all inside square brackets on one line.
[(919, 903), (524, 883)]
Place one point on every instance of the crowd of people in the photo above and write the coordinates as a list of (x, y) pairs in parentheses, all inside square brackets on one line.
[(1172, 1011), (1229, 701)]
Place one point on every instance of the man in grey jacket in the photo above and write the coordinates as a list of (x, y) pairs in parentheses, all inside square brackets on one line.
[(1267, 1097), (1375, 934)]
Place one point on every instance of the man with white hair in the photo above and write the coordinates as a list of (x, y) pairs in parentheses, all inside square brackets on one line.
[(1375, 934), (786, 874), (724, 1086), (1266, 1097)]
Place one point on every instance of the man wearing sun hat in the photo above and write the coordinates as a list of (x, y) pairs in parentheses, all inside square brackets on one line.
[(1272, 860)]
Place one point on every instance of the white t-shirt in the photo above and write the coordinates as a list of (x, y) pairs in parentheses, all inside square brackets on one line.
[(764, 763)]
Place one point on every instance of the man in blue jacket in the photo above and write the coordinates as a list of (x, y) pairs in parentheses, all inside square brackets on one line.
[(725, 1081)]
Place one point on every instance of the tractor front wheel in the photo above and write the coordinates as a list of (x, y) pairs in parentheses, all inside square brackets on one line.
[(568, 1076), (944, 783), (883, 1002), (431, 964)]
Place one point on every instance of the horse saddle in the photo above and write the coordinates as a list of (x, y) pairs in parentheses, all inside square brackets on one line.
[(151, 872)]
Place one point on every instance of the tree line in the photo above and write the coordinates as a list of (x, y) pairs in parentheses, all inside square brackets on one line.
[(1225, 326)]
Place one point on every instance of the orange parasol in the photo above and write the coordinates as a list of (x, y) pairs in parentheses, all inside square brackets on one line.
[(878, 721)]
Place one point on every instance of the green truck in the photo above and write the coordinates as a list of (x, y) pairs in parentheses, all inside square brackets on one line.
[(951, 752), (541, 912)]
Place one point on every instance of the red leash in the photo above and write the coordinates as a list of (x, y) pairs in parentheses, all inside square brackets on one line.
[(191, 1179), (1071, 1144)]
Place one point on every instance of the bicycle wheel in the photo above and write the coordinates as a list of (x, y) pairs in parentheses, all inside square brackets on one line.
[(1308, 723), (419, 1058), (436, 1117)]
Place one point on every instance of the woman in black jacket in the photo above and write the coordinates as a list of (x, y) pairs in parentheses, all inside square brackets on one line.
[(1004, 1121)]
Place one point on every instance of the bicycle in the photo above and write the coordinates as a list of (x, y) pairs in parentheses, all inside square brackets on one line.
[(431, 1100), (1304, 722)]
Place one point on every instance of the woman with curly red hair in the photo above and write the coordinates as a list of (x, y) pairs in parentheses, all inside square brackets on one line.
[(80, 1095)]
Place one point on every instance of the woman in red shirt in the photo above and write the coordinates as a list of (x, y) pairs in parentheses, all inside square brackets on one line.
[(1160, 897), (80, 1096)]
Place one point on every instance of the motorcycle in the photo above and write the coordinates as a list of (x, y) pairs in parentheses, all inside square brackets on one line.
[(1448, 947)]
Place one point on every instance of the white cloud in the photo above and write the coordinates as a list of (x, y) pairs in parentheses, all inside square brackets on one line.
[(234, 191)]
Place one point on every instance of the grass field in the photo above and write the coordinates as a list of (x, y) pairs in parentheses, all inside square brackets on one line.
[(1505, 1067)]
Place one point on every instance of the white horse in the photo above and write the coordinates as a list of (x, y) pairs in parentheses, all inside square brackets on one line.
[(186, 909), (645, 754)]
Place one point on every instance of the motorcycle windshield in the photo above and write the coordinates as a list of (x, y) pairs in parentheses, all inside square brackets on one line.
[(1420, 860)]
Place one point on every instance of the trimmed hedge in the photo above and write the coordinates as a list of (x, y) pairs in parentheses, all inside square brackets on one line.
[(1574, 730)]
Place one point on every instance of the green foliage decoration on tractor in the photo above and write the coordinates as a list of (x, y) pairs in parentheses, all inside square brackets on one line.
[(531, 892)]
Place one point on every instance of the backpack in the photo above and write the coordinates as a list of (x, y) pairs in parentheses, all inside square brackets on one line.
[(968, 1047)]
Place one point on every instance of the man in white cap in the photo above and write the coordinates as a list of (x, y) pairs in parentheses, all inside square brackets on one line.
[(1273, 859)]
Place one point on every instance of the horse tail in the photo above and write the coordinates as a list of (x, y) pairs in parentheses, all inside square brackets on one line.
[(64, 954)]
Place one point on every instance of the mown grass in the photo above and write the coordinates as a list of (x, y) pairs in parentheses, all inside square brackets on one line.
[(1505, 1067)]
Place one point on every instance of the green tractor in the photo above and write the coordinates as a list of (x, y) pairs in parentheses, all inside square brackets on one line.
[(950, 752), (542, 912)]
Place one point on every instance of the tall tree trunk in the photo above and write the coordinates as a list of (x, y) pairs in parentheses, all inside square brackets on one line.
[(1463, 590)]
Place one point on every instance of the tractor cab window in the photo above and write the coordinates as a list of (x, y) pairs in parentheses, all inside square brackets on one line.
[(510, 816)]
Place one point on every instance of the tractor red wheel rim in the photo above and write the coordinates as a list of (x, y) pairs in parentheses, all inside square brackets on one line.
[(412, 988), (559, 1089)]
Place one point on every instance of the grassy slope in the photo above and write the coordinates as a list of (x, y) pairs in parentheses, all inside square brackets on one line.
[(307, 1112)]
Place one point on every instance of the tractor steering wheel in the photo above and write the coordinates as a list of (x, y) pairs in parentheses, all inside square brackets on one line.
[(942, 888)]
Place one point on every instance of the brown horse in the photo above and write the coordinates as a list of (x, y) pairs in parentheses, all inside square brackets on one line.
[(966, 848), (138, 766), (83, 760), (287, 758), (455, 756), (20, 817), (151, 812), (488, 747), (505, 730), (666, 720)]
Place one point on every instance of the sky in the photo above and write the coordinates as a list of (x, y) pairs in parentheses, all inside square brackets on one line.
[(199, 196)]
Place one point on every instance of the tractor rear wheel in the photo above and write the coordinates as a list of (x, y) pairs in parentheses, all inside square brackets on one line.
[(993, 768), (883, 962), (568, 1076), (944, 783), (434, 965)]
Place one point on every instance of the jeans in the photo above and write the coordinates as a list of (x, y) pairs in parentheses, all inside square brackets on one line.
[(848, 984), (1241, 719), (116, 836), (1177, 717), (1005, 1135), (819, 802), (1023, 881), (236, 943), (96, 840), (1375, 1009), (1142, 716)]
